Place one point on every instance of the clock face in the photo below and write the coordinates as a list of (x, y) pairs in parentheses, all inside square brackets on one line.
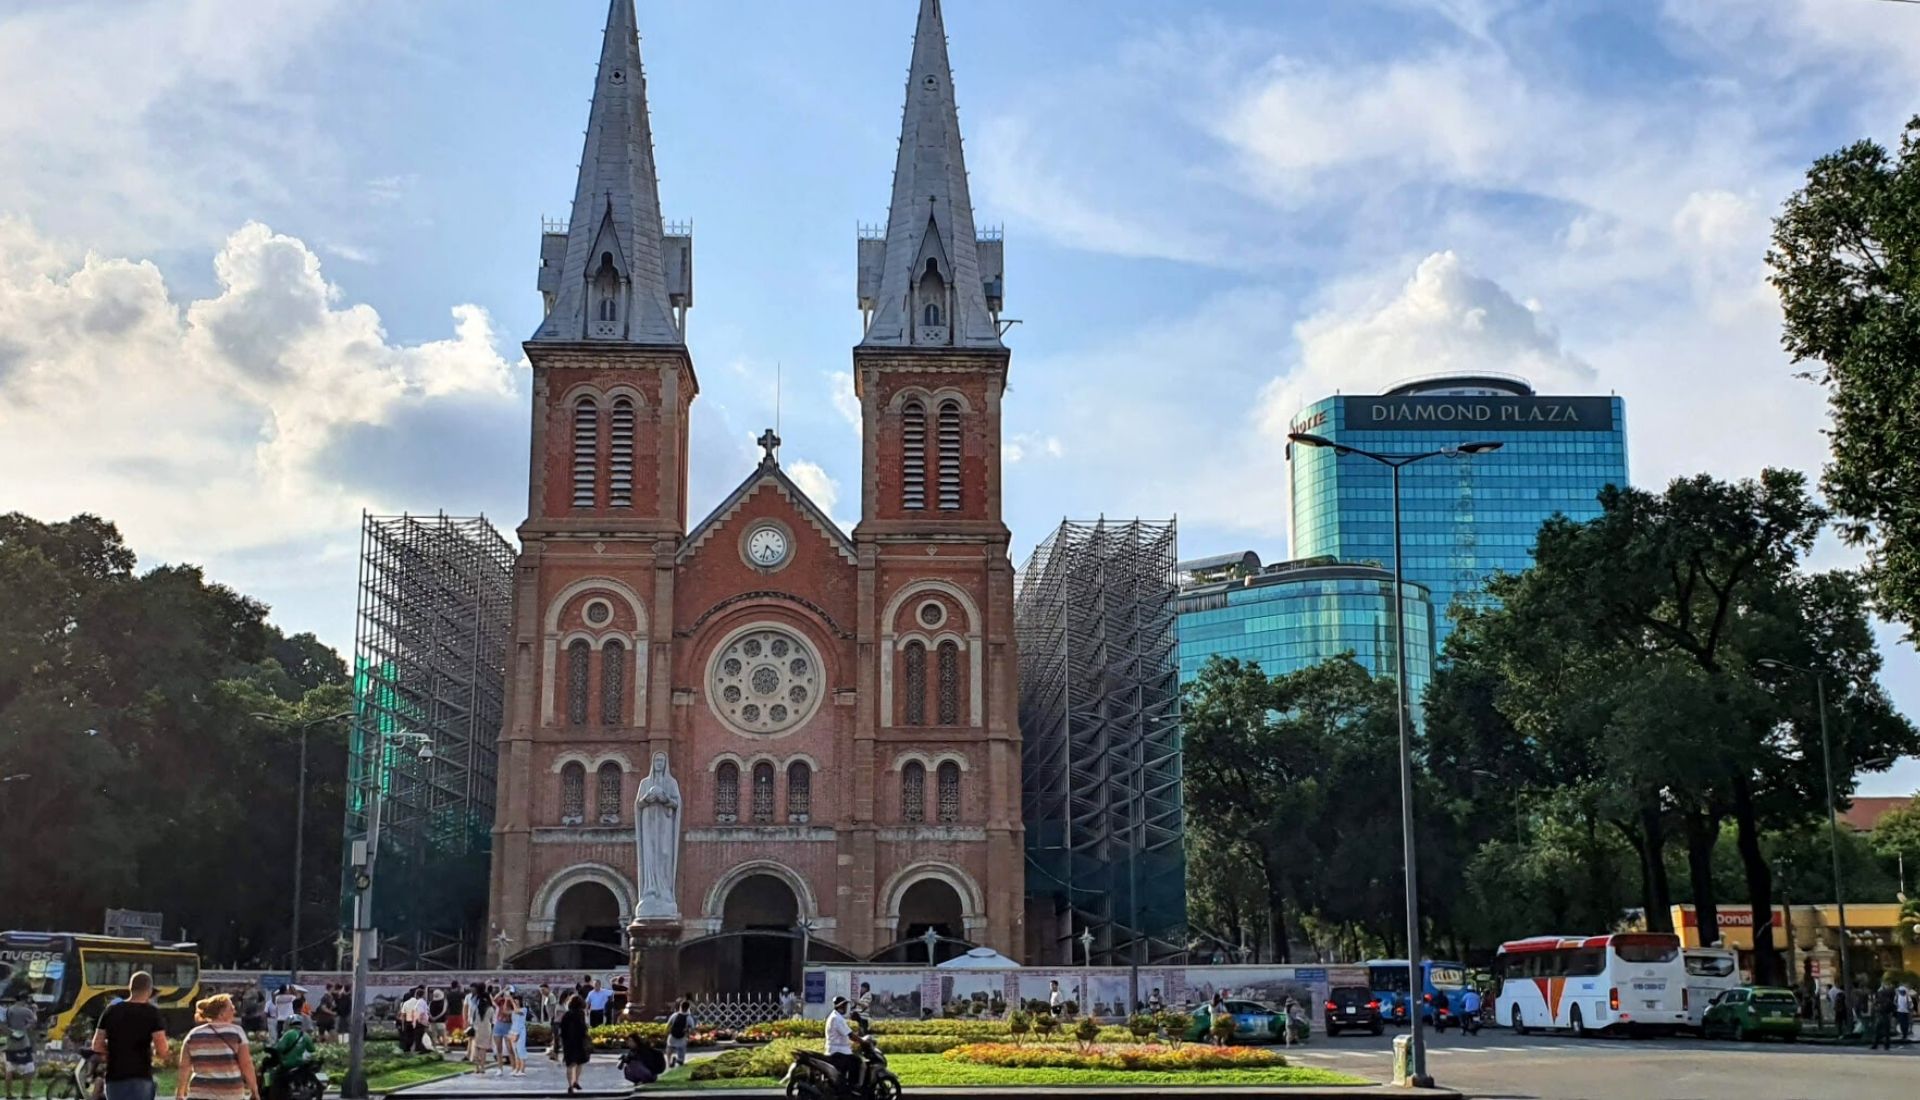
[(767, 546)]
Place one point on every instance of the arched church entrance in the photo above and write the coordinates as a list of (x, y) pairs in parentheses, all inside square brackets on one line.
[(587, 913), (931, 904), (764, 909)]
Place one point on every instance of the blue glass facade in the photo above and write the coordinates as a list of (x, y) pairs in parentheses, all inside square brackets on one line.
[(1300, 614), (1462, 518)]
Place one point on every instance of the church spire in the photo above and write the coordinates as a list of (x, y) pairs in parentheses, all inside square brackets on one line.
[(616, 273), (930, 281)]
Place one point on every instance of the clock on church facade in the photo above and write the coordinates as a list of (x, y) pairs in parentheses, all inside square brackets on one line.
[(838, 710)]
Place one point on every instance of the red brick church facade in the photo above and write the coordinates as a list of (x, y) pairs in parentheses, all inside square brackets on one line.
[(839, 712)]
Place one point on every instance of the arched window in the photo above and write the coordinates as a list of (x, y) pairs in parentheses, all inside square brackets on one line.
[(606, 289), (914, 665), (763, 793), (913, 792), (726, 793), (913, 456), (579, 653), (609, 794), (931, 315), (586, 452), (949, 654), (573, 794), (948, 779), (620, 455), (799, 792), (949, 455), (613, 683)]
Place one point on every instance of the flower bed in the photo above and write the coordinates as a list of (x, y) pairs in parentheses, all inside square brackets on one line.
[(815, 1029), (1114, 1056), (772, 1060), (614, 1036)]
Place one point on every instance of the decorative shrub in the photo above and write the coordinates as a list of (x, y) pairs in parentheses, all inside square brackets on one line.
[(816, 1029), (773, 1059), (1223, 1026), (1176, 1023), (1123, 1056), (1141, 1025), (1046, 1023), (1018, 1025), (1087, 1030)]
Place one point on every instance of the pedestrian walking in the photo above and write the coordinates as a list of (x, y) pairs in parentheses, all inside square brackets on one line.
[(1053, 997), (1903, 1011), (1883, 1016), (128, 1038), (617, 1007), (597, 1001), (21, 1023), (517, 1039), (572, 1030), (215, 1061), (679, 1029), (326, 1015)]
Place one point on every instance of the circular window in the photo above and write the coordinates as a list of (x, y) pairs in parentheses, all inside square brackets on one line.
[(599, 612), (764, 680), (932, 614)]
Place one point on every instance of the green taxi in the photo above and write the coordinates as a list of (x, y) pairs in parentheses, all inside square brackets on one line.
[(1753, 1012)]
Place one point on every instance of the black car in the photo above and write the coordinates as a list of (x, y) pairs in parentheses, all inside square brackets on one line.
[(1352, 1007)]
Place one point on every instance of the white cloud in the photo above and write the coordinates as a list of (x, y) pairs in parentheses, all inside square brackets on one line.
[(265, 413), (820, 487), (153, 123), (1444, 319), (845, 402), (1018, 446)]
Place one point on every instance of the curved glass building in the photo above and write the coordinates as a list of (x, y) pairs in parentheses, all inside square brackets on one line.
[(1287, 616), (1464, 518)]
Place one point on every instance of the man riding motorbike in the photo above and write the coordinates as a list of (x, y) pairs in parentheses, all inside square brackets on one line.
[(286, 1059), (840, 1045)]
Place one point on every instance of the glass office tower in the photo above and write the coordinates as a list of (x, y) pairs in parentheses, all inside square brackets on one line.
[(1464, 518), (1287, 616)]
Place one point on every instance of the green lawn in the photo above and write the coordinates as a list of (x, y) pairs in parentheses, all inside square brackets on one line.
[(929, 1070), (164, 1080)]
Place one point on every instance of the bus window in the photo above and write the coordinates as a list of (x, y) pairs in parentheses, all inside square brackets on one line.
[(111, 971), (1708, 966), (1447, 977), (1585, 962), (1651, 950), (1389, 979)]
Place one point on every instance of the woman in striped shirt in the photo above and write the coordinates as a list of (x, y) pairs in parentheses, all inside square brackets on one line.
[(215, 1062)]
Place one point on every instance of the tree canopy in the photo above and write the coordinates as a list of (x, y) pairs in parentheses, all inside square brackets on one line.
[(1846, 261), (135, 769)]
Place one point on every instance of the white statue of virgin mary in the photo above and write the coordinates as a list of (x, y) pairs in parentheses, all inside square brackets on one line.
[(656, 826)]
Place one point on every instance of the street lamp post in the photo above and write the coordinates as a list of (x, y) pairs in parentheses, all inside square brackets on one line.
[(1417, 1065), (1086, 975), (932, 939), (355, 1085), (1833, 819), (299, 830)]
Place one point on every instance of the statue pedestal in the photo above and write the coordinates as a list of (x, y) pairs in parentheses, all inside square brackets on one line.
[(654, 981)]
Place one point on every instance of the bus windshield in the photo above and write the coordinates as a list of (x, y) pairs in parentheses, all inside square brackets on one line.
[(1389, 978), (1707, 966), (37, 974)]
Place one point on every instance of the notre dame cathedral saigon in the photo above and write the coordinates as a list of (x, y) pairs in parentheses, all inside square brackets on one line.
[(836, 714)]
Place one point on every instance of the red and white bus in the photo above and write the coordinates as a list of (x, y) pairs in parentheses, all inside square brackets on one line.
[(1628, 981)]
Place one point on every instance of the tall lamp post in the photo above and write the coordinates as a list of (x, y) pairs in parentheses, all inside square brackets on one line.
[(299, 827), (1417, 1065), (355, 1086), (1833, 819), (1086, 976)]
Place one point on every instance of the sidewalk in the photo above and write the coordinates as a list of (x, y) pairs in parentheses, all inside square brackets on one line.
[(598, 1078), (1099, 1092)]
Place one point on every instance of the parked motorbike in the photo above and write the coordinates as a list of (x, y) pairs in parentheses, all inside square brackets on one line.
[(292, 1070), (813, 1076)]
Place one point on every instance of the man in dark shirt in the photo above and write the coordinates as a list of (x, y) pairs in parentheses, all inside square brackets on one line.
[(130, 1036)]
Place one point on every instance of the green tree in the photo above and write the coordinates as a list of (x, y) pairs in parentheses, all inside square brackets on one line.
[(126, 702), (1846, 260)]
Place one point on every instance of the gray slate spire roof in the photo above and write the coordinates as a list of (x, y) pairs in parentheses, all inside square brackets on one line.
[(931, 222), (616, 216)]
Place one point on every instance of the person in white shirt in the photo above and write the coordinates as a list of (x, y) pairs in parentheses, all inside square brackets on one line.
[(1903, 1012), (840, 1044)]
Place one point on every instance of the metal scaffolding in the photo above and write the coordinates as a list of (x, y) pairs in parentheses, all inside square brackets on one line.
[(435, 605), (1100, 726)]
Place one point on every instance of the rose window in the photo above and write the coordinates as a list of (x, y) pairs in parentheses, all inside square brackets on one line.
[(765, 680)]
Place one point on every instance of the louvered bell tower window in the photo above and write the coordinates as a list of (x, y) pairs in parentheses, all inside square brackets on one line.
[(913, 456), (586, 453), (620, 471), (949, 429)]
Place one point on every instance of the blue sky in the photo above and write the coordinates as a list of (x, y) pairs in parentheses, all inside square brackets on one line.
[(265, 265)]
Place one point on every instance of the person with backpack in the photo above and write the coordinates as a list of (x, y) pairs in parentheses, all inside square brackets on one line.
[(679, 1030)]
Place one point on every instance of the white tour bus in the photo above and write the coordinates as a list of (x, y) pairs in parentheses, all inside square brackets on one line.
[(1629, 981), (1711, 971)]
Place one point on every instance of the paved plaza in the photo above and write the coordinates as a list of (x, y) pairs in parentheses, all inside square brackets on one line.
[(601, 1077)]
